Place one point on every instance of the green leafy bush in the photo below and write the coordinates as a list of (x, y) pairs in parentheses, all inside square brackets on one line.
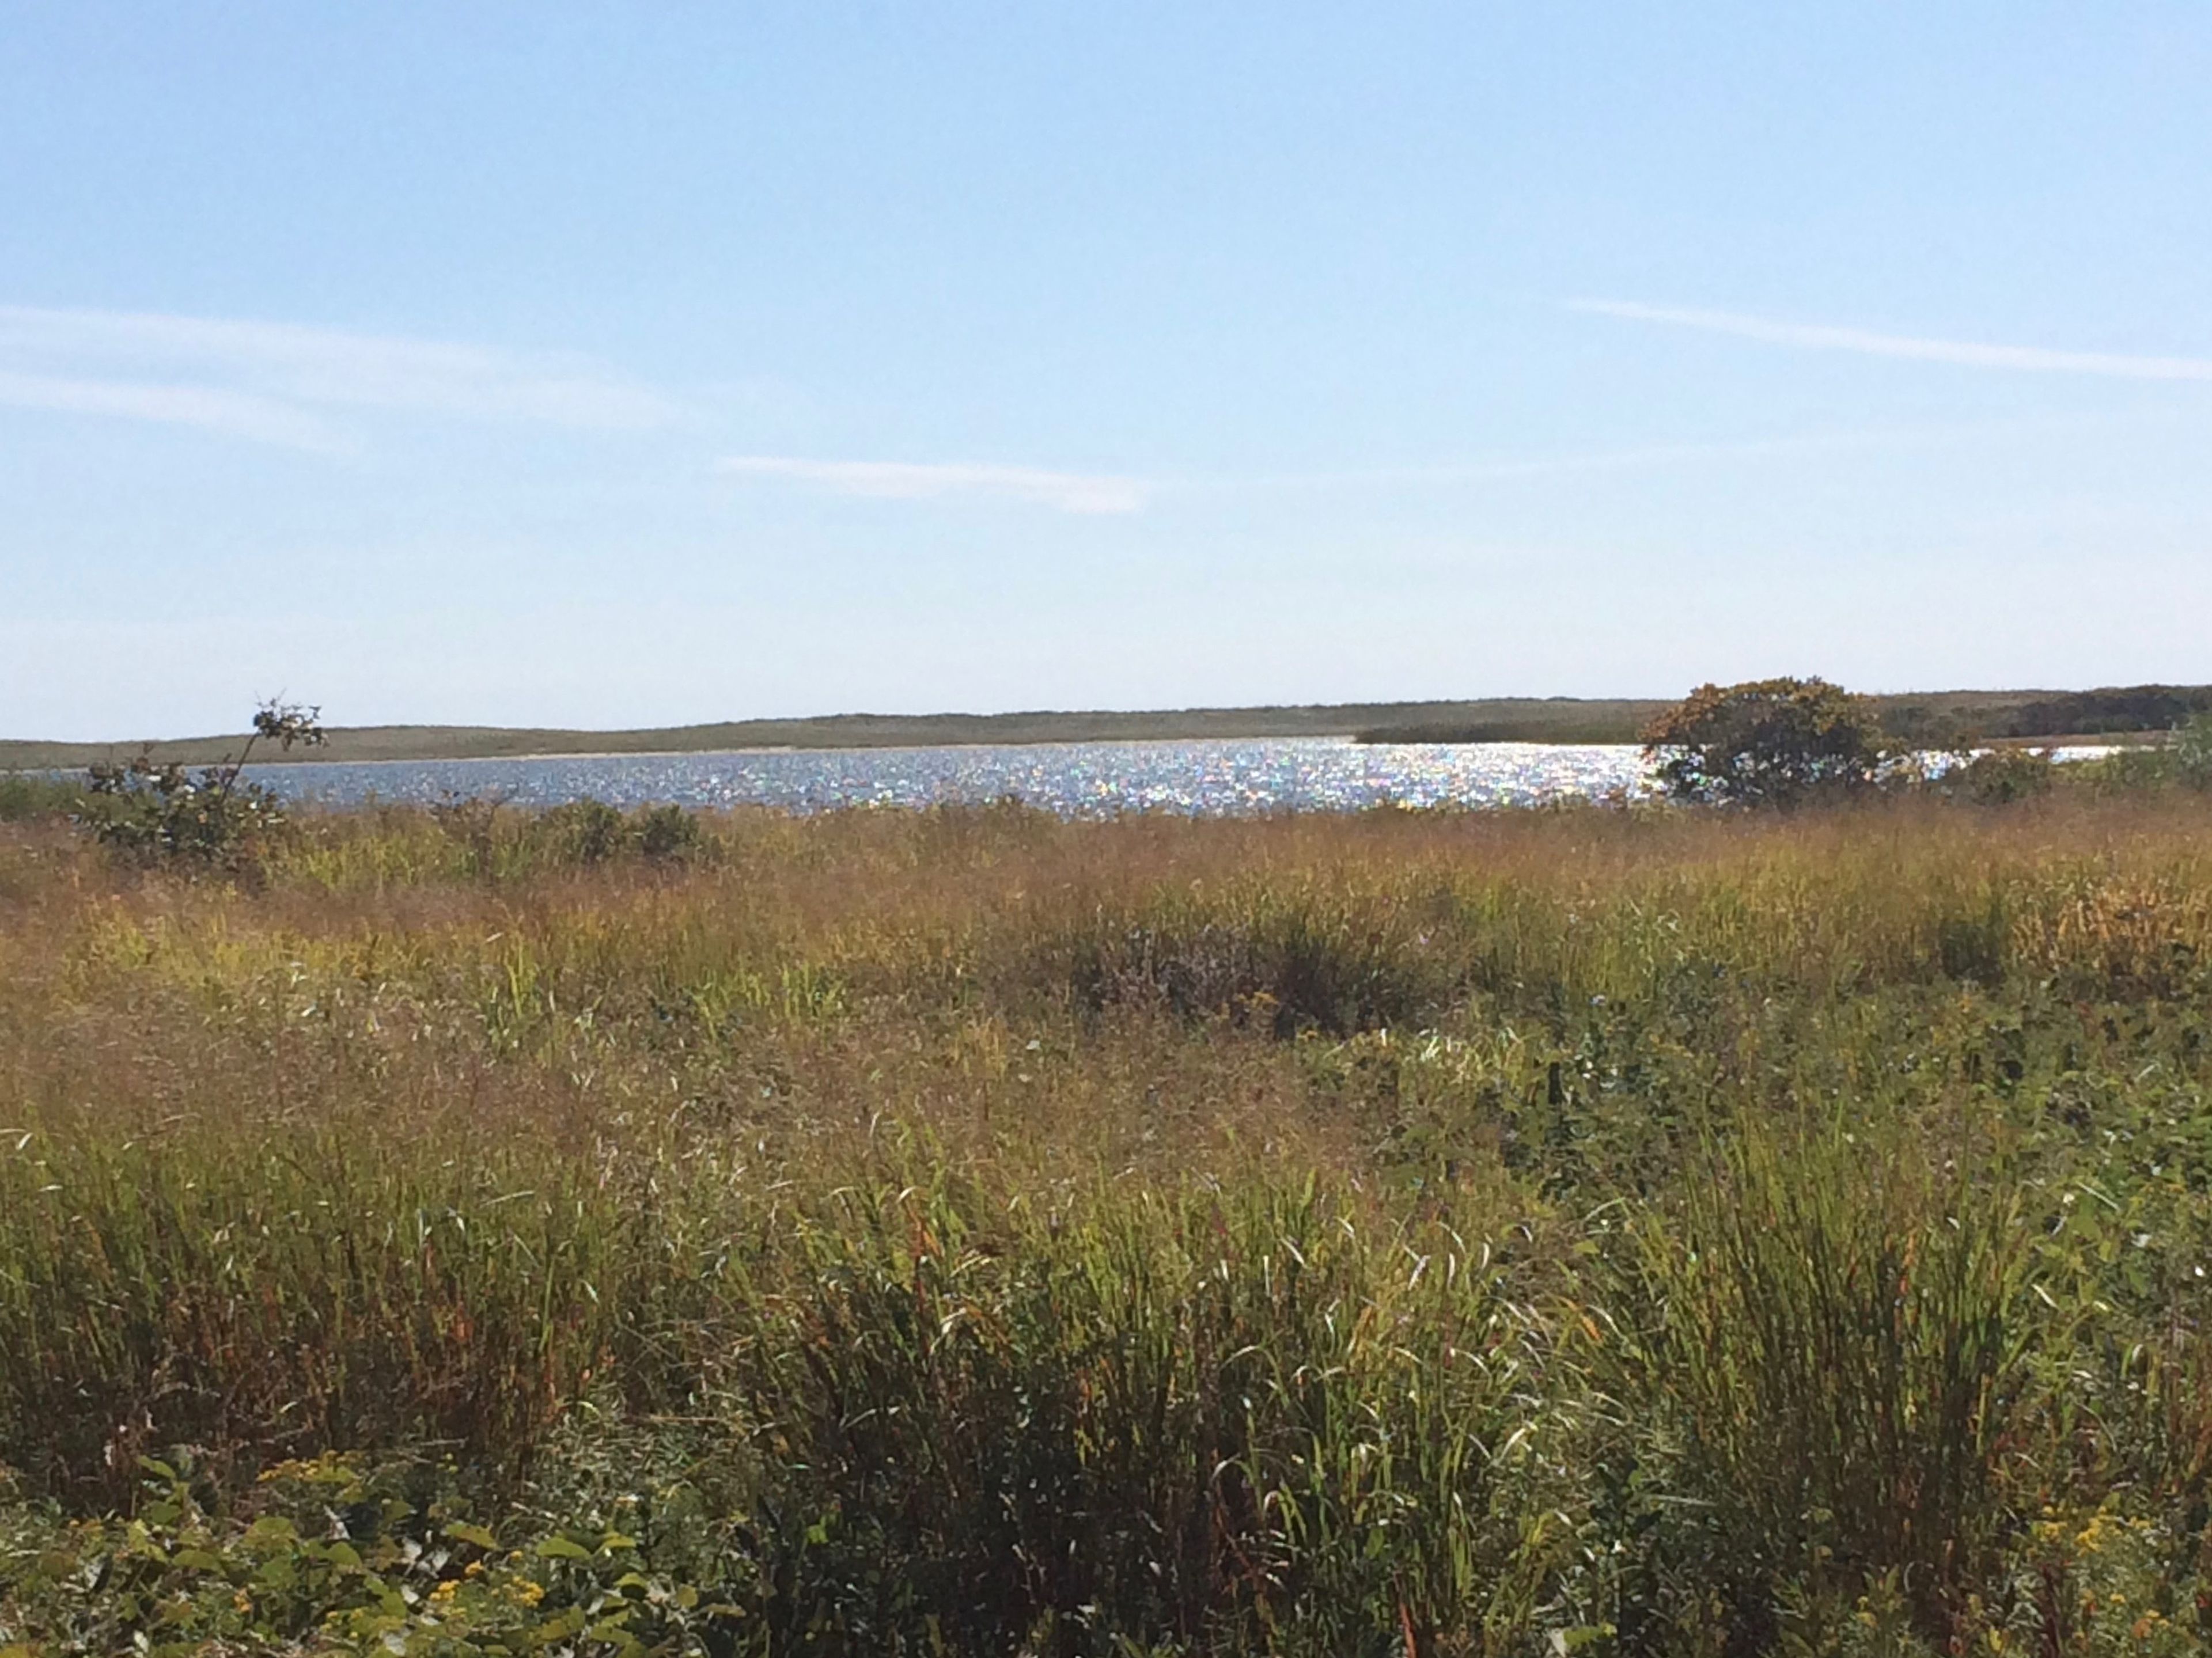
[(1767, 743), (668, 832), (587, 831), (336, 1556), (161, 811)]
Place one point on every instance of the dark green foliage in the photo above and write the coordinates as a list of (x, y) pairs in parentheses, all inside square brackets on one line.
[(667, 833), (587, 831), (2078, 713), (1767, 743), (164, 812), (338, 1555), (1616, 728)]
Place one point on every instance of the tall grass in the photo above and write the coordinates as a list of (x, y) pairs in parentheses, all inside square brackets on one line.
[(964, 1231), (27, 796), (1841, 1346)]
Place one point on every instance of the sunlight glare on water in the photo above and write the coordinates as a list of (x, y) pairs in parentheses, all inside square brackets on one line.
[(1087, 780)]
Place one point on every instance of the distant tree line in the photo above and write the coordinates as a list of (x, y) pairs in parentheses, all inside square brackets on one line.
[(2130, 708), (1945, 721), (1936, 721)]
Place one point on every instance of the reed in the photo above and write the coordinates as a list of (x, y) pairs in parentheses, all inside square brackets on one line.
[(1583, 1230)]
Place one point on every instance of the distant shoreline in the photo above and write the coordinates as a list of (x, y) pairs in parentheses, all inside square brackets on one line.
[(1531, 719), (2014, 716)]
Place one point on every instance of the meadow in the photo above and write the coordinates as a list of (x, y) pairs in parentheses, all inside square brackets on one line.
[(1592, 1230)]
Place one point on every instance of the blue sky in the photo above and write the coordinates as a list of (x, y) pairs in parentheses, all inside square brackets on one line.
[(604, 365)]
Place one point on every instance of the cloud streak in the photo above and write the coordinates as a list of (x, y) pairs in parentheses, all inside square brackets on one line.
[(1066, 492), (281, 382), (1965, 354), (232, 414)]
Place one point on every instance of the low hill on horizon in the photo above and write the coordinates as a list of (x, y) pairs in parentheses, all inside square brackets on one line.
[(1932, 717)]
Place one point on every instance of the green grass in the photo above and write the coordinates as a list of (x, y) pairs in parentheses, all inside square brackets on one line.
[(29, 796), (1621, 1232)]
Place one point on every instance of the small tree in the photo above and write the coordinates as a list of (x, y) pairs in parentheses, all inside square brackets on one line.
[(157, 808), (1767, 743)]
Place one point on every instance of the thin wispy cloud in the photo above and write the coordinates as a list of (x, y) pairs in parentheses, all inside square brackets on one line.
[(1081, 492), (1967, 354), (1572, 462), (1066, 492), (285, 383), (233, 414)]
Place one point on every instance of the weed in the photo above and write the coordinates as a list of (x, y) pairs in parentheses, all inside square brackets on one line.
[(1636, 1232)]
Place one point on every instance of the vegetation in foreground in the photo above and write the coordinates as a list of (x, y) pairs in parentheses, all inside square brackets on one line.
[(1592, 1230)]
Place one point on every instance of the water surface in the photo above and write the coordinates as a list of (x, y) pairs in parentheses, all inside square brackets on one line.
[(1206, 779), (1076, 779)]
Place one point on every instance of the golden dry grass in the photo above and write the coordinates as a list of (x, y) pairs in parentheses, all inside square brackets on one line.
[(1783, 1174)]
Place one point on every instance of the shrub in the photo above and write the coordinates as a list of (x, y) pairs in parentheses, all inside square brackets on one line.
[(2185, 761), (26, 795), (667, 833), (161, 811), (340, 1556), (1767, 743), (587, 831), (1996, 777)]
